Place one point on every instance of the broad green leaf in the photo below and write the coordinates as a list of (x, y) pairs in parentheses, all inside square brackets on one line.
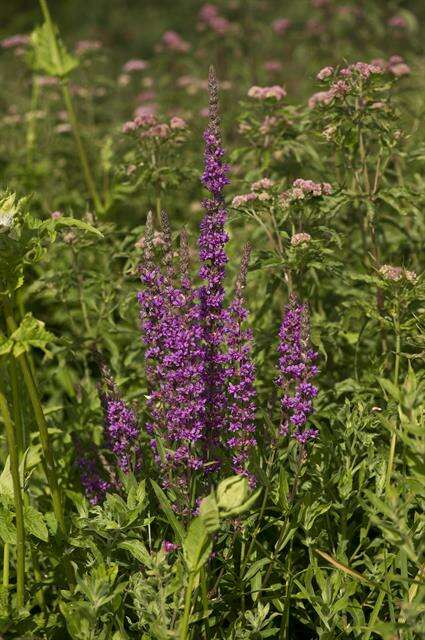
[(34, 523), (30, 333), (48, 54), (166, 506), (197, 545), (137, 550)]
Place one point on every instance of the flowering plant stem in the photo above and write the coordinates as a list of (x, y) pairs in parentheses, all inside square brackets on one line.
[(393, 443), (17, 496), (184, 628), (49, 464), (91, 186)]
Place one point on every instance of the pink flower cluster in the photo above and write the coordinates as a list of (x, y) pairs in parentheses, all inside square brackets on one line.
[(303, 188), (18, 40), (263, 93), (87, 46), (398, 22), (300, 238), (258, 192), (172, 41), (281, 25), (210, 17), (135, 65), (388, 272), (151, 128)]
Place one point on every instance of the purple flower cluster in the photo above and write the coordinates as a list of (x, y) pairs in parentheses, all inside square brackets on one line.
[(199, 369), (240, 375), (213, 258), (172, 334), (87, 461), (296, 368)]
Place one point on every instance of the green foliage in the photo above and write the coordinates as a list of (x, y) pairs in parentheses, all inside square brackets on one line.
[(329, 544)]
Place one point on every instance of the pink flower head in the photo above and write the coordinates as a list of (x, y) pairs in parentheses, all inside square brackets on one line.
[(157, 131), (168, 546), (400, 69), (208, 11), (281, 25), (300, 238), (325, 73), (243, 199), (146, 111), (129, 126), (145, 96), (87, 46), (135, 65), (264, 183), (263, 93), (174, 42), (398, 22), (178, 123), (273, 66), (18, 40), (55, 215)]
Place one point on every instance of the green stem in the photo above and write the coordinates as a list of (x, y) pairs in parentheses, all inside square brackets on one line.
[(6, 554), (393, 443), (80, 147), (71, 113), (204, 595), (184, 628), (16, 407), (49, 463), (32, 123), (17, 495)]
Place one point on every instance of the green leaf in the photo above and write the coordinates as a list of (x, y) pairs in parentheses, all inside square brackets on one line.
[(208, 512), (197, 545), (7, 528), (78, 224), (137, 550), (166, 506), (48, 54), (34, 523), (30, 333), (6, 482)]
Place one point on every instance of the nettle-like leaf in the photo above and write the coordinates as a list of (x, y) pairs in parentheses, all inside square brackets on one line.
[(30, 333), (197, 545), (34, 523), (48, 53)]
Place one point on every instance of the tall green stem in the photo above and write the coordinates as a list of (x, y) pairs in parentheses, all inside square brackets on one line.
[(91, 186), (184, 628), (16, 407), (17, 496), (6, 554), (49, 463), (393, 443), (80, 147)]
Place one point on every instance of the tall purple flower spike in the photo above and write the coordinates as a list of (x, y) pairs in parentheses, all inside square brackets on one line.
[(240, 377), (213, 260), (172, 333), (297, 368), (121, 430)]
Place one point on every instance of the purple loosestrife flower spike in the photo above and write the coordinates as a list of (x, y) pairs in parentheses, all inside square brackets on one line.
[(296, 366), (184, 256), (95, 487), (172, 333), (168, 249), (120, 423), (240, 376), (213, 260)]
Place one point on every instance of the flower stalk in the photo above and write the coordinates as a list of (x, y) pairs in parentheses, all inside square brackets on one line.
[(17, 497)]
